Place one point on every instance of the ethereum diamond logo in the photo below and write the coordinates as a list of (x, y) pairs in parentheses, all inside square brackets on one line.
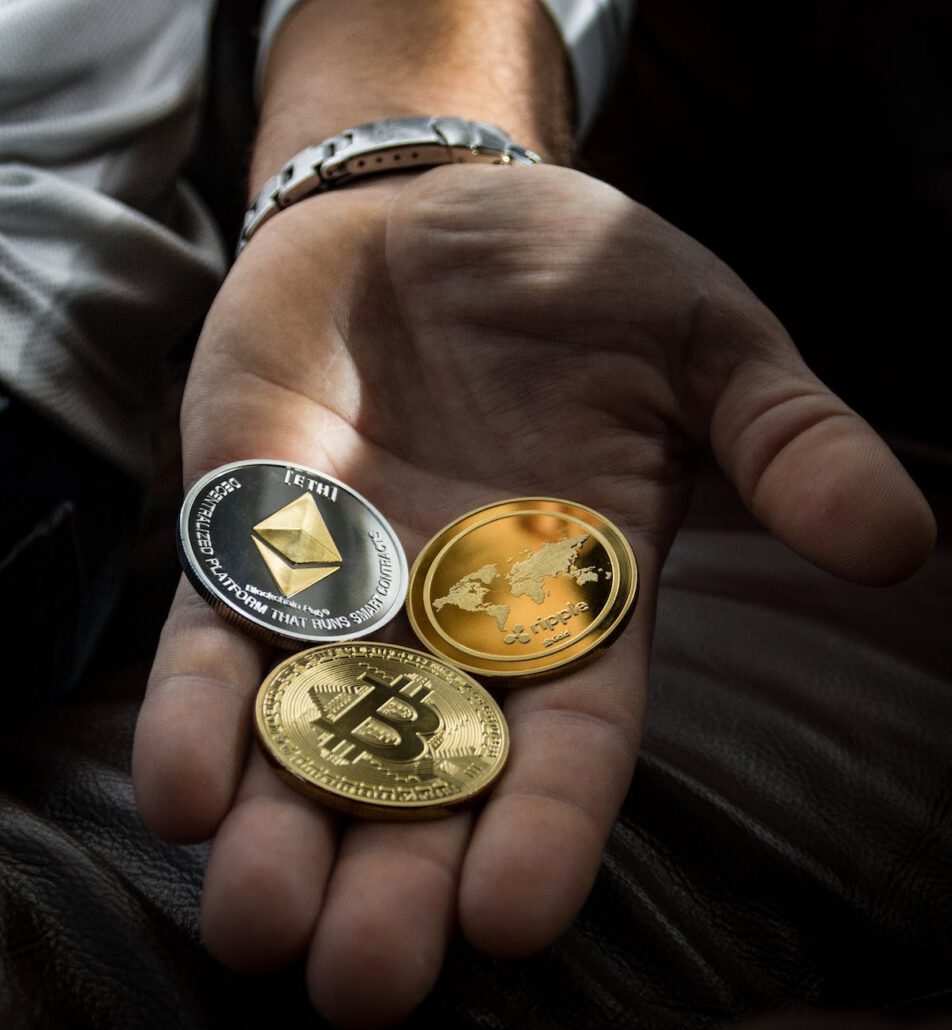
[(297, 546)]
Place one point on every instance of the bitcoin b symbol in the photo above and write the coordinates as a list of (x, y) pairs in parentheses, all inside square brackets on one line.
[(384, 722)]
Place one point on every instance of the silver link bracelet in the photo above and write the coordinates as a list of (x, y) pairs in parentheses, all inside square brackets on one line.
[(385, 146)]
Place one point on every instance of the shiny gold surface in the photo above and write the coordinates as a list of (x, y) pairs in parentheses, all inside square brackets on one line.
[(297, 546), (379, 731), (522, 587)]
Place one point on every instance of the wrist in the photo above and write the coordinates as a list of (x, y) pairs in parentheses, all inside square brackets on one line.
[(335, 66)]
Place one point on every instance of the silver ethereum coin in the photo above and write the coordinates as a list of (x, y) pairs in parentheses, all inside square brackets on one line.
[(290, 554)]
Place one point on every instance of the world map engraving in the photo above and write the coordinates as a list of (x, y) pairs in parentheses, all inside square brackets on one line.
[(525, 578)]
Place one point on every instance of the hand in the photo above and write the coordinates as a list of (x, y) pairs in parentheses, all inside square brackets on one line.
[(440, 342)]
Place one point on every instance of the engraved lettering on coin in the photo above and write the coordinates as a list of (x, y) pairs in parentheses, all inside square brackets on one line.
[(554, 591), (380, 731), (385, 722), (522, 586), (290, 554), (526, 578)]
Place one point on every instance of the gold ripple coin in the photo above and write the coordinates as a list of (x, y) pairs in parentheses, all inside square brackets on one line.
[(523, 587), (380, 731)]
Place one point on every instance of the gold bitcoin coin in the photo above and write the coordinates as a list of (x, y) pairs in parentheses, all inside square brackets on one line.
[(379, 731), (522, 587)]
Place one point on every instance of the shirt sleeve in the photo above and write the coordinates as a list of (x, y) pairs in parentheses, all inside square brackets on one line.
[(107, 257), (595, 33)]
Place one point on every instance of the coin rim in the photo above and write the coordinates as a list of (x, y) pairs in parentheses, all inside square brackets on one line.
[(390, 810), (614, 622), (231, 612)]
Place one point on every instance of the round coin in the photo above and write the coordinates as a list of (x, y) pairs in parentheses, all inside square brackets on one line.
[(522, 587), (290, 554), (380, 731)]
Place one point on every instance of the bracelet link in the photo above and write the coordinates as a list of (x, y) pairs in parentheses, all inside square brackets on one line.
[(303, 174)]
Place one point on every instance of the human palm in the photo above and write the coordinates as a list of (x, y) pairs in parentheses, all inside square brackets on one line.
[(441, 342)]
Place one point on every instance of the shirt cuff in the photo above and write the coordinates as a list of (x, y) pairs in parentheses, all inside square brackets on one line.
[(595, 33)]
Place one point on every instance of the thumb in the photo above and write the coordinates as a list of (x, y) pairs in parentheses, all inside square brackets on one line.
[(806, 465)]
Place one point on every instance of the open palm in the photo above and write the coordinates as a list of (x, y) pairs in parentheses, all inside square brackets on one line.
[(441, 342)]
